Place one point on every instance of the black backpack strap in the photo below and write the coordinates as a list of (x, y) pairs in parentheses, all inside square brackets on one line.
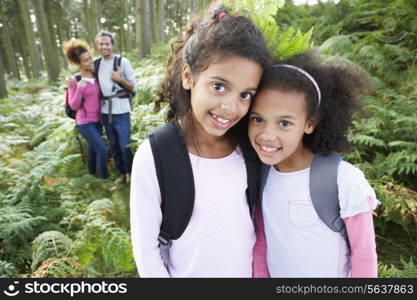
[(176, 183), (97, 63), (119, 61), (252, 163), (116, 62), (324, 191), (78, 78), (263, 176)]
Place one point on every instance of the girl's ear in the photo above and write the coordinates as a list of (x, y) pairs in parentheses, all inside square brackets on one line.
[(186, 76), (310, 125)]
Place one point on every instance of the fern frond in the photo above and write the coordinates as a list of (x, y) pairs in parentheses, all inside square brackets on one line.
[(369, 141), (49, 244), (292, 42), (16, 223), (65, 267), (408, 270), (7, 269)]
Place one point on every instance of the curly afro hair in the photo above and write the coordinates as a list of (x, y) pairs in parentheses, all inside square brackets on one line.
[(73, 50), (341, 86)]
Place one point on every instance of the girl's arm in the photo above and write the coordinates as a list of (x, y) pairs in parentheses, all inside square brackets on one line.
[(360, 229), (145, 214), (259, 265), (75, 93), (357, 202)]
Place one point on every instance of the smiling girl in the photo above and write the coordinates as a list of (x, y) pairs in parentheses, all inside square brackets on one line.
[(302, 111), (213, 76)]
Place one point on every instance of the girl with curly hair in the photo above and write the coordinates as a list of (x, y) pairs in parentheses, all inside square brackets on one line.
[(84, 99), (303, 109), (213, 74)]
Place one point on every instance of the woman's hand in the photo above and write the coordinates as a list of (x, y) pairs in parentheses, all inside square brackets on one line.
[(82, 83), (70, 81)]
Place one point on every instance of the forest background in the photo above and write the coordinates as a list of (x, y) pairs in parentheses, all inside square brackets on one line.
[(58, 221)]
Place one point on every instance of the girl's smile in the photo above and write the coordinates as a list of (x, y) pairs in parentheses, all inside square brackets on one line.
[(221, 94), (277, 124)]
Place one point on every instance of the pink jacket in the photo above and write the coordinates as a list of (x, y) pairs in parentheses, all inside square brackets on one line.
[(88, 111)]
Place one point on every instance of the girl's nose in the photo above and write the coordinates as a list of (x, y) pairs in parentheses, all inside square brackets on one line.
[(229, 105), (268, 134)]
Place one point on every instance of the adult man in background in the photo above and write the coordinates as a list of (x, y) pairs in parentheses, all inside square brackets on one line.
[(117, 84)]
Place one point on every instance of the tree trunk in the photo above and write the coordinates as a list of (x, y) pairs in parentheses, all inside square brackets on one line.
[(127, 31), (139, 27), (155, 21), (95, 16), (88, 23), (50, 11), (22, 48), (35, 58), (194, 7), (147, 28), (3, 88), (161, 19), (61, 23), (121, 43), (59, 19), (50, 56), (7, 43)]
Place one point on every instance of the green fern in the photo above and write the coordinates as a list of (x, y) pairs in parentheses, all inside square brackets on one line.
[(50, 244), (408, 270), (7, 269), (102, 242), (291, 43), (17, 224), (65, 267), (282, 45)]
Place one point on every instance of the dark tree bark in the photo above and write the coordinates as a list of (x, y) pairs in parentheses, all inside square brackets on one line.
[(49, 52), (51, 12), (139, 27), (147, 28), (3, 88), (11, 62), (34, 55)]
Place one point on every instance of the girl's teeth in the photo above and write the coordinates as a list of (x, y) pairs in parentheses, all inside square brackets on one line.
[(269, 149), (221, 120)]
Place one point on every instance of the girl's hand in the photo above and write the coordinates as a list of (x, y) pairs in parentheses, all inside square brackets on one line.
[(82, 83)]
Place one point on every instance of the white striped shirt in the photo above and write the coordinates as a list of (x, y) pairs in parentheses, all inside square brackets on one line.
[(219, 239), (299, 243)]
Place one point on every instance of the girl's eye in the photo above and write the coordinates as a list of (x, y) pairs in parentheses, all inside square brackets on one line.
[(284, 123), (219, 87), (255, 120), (246, 96)]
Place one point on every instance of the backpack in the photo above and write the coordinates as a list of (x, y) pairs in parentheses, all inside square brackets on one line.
[(121, 93), (176, 181), (323, 190), (68, 110)]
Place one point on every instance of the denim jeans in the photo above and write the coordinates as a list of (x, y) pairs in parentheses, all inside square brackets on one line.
[(118, 134), (97, 148)]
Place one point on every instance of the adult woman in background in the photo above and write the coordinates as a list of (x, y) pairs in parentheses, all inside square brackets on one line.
[(84, 99)]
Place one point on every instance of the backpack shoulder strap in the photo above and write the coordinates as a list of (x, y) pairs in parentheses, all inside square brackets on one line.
[(176, 183), (97, 62), (324, 191), (117, 61), (263, 176), (252, 163)]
